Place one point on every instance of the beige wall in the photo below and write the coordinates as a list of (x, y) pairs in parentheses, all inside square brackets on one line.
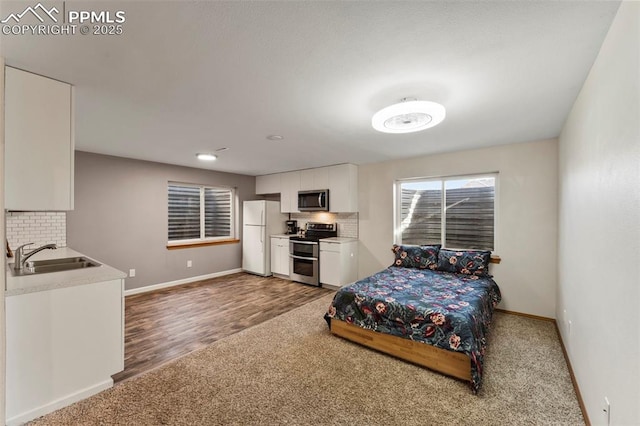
[(599, 217), (120, 218), (526, 230)]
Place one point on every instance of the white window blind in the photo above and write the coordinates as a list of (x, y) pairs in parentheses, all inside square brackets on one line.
[(217, 212), (199, 213), (457, 212)]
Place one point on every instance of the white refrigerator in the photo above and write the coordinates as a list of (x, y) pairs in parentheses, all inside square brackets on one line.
[(260, 220)]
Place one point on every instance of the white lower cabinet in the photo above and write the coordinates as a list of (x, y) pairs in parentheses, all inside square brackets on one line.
[(62, 345), (338, 262), (280, 255)]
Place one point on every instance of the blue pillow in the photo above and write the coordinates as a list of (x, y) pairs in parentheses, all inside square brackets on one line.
[(469, 262), (420, 257)]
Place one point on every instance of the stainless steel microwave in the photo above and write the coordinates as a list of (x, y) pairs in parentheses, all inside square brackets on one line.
[(313, 201)]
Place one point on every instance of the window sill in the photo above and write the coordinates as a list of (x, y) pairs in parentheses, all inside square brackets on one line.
[(495, 259), (177, 246)]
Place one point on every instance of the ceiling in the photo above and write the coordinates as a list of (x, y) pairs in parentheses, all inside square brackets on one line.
[(187, 77)]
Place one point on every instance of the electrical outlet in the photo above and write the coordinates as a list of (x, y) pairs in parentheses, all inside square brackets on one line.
[(189, 264), (606, 408), (132, 273)]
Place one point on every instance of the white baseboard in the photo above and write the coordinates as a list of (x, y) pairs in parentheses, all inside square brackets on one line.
[(179, 282), (59, 403)]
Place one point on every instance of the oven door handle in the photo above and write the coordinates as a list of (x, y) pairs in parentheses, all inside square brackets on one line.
[(304, 242), (302, 257)]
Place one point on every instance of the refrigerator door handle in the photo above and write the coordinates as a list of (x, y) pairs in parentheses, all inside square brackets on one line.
[(262, 217)]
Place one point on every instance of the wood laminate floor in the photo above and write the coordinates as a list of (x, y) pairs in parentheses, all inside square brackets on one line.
[(165, 324)]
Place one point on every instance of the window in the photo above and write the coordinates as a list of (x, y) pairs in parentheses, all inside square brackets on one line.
[(200, 213), (457, 212)]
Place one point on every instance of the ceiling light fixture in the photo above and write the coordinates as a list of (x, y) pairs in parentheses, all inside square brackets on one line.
[(410, 115), (275, 137), (206, 156)]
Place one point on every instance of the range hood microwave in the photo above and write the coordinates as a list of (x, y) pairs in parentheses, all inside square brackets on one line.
[(313, 201)]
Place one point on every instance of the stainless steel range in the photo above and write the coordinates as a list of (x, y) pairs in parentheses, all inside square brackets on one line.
[(304, 252)]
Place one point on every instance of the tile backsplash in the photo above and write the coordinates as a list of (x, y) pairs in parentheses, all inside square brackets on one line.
[(37, 227), (347, 222)]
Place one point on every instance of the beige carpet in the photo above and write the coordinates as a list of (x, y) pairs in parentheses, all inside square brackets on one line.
[(291, 370)]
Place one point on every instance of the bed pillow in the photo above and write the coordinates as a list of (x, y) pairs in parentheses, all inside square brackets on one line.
[(469, 262), (421, 257)]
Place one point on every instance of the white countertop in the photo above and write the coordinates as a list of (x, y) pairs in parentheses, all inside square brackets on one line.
[(53, 280), (339, 240), (283, 235)]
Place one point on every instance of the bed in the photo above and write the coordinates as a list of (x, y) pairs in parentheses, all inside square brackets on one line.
[(431, 307)]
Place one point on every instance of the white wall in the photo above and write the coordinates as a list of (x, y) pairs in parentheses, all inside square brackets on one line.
[(599, 222), (526, 233), (2, 232)]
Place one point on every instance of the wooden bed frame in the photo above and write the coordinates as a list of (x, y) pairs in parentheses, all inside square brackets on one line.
[(455, 364), (451, 363)]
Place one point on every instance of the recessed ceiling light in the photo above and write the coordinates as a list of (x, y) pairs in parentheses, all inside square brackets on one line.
[(275, 137), (408, 116), (206, 156)]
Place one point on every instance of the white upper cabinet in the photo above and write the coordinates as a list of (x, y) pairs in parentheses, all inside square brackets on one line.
[(269, 184), (38, 142), (289, 196), (340, 180), (311, 179), (343, 188)]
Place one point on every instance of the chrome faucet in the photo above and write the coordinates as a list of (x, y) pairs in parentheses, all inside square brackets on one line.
[(21, 258)]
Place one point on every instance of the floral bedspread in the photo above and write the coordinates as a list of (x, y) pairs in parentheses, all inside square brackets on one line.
[(447, 310)]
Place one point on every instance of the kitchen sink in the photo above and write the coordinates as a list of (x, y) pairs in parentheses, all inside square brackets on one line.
[(63, 260), (33, 267)]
